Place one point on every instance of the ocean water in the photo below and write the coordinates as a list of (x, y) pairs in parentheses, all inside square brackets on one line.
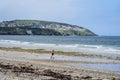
[(112, 67), (86, 44)]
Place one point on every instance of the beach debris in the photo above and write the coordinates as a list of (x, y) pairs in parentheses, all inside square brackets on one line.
[(56, 75), (18, 68), (5, 66), (23, 68), (30, 70), (112, 78), (86, 77)]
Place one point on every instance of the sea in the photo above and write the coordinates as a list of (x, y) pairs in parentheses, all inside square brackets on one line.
[(101, 45), (104, 45)]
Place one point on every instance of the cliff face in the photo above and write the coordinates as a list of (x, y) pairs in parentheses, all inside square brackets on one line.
[(42, 28)]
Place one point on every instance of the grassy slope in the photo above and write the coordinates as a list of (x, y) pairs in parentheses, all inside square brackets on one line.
[(38, 23)]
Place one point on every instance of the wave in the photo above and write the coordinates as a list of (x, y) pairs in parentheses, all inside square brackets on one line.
[(99, 49)]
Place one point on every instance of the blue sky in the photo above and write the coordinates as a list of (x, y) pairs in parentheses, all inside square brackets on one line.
[(100, 16)]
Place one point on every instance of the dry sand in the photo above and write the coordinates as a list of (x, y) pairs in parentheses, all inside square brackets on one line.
[(49, 70)]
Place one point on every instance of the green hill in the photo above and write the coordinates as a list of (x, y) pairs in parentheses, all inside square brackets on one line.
[(37, 27)]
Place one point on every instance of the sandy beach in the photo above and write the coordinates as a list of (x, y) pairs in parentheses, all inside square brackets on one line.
[(16, 65)]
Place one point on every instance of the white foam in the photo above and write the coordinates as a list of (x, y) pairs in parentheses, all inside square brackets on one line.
[(93, 49)]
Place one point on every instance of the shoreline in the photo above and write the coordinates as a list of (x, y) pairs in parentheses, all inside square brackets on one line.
[(99, 49), (41, 51), (60, 67)]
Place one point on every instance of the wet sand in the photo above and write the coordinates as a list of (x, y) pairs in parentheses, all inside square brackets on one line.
[(45, 69)]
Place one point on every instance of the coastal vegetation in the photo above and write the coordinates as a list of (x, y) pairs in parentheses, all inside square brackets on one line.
[(27, 31), (37, 27)]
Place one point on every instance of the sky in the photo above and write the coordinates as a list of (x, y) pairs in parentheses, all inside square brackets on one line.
[(100, 16)]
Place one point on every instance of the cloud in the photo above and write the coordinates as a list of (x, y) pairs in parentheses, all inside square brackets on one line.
[(37, 9)]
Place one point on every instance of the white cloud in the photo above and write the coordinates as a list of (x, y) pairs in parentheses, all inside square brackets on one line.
[(37, 9)]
